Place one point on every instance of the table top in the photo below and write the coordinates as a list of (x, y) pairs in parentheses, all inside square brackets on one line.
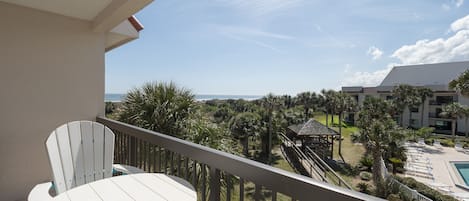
[(142, 186)]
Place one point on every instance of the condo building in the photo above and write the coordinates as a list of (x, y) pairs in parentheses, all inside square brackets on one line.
[(433, 76)]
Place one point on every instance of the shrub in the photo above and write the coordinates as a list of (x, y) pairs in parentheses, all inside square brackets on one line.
[(424, 189), (394, 197), (429, 141), (447, 143), (366, 176), (366, 161), (364, 187)]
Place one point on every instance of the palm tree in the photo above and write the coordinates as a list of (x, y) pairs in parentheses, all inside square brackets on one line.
[(308, 101), (452, 111), (423, 93), (465, 114), (160, 107), (404, 96), (270, 103), (327, 102), (243, 126), (377, 129), (461, 83), (344, 103)]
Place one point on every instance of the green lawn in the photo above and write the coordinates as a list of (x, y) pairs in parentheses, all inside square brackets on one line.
[(351, 152)]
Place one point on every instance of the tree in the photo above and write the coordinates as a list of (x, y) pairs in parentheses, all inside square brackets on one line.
[(452, 111), (423, 93), (308, 101), (327, 103), (376, 132), (160, 107), (461, 83), (344, 103), (270, 103), (465, 114), (243, 126), (404, 96)]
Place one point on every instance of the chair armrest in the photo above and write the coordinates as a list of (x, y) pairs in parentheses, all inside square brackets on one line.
[(126, 169), (41, 192)]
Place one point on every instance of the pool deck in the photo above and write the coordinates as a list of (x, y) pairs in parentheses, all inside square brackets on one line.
[(442, 170)]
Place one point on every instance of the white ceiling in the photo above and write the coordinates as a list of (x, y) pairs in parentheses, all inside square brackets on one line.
[(81, 9)]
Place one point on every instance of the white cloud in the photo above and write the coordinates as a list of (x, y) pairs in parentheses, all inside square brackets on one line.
[(374, 52), (366, 78), (460, 24), (453, 48), (252, 35), (261, 7), (459, 3)]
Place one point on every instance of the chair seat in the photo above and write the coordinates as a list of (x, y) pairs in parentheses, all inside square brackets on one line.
[(45, 191)]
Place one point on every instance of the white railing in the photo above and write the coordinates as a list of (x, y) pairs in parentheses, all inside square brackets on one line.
[(405, 190)]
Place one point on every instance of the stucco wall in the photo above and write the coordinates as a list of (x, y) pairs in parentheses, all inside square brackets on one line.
[(51, 72)]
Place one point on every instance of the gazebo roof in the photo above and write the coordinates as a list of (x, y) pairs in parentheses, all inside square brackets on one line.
[(312, 128)]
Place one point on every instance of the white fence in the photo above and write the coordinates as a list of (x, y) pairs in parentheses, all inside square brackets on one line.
[(405, 190)]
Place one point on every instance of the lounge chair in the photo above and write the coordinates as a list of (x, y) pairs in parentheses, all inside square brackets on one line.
[(79, 152), (459, 147), (437, 144), (421, 141)]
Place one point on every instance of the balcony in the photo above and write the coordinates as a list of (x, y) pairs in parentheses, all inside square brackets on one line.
[(215, 174)]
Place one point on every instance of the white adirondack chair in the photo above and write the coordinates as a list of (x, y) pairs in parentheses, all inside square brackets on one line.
[(79, 152)]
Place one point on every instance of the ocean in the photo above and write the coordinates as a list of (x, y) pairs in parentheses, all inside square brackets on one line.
[(198, 97)]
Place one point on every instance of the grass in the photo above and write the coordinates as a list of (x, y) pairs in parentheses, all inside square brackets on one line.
[(351, 152)]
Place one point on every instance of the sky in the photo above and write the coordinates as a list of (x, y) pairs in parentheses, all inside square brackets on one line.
[(253, 47)]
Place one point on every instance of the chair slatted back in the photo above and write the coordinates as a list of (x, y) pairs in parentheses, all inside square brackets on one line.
[(80, 152)]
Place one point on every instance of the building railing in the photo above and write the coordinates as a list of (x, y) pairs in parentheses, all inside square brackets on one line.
[(216, 175)]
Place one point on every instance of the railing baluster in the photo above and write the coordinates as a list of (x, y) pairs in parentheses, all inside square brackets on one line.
[(171, 170), (159, 159), (204, 185), (214, 184), (165, 162), (186, 167), (179, 165), (274, 196), (241, 189), (194, 174), (133, 151), (229, 185), (257, 192)]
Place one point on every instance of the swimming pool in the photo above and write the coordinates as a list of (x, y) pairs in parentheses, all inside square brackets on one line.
[(463, 170)]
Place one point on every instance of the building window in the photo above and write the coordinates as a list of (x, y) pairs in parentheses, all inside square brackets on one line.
[(442, 125), (444, 100), (414, 109)]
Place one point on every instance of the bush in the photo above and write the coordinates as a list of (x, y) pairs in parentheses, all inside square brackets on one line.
[(366, 176), (429, 141), (394, 197), (447, 143), (364, 187), (367, 162), (424, 189)]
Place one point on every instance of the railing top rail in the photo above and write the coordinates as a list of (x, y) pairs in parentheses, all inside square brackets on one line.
[(297, 186)]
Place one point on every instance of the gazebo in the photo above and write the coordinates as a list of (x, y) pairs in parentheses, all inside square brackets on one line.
[(314, 135)]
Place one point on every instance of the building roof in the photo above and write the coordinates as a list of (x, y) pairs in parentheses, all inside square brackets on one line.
[(312, 128), (438, 74)]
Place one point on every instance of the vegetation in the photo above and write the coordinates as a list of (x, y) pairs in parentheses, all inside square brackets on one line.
[(461, 83), (423, 189), (252, 128), (453, 111), (376, 132)]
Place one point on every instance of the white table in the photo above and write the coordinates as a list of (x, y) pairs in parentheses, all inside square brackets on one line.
[(143, 186)]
